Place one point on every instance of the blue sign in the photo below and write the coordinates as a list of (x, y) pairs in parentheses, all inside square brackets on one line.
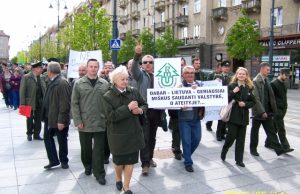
[(115, 44)]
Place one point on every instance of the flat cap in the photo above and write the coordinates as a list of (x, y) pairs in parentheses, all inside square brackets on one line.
[(225, 63), (37, 64)]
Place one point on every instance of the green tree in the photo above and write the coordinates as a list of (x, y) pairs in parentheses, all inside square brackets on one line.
[(242, 39), (167, 45), (14, 60), (22, 57), (34, 52), (146, 38), (127, 48)]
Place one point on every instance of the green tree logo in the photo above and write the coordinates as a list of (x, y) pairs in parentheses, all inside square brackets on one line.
[(167, 76)]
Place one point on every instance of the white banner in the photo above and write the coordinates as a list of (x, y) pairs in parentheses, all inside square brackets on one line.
[(187, 97), (212, 112), (167, 72), (81, 57)]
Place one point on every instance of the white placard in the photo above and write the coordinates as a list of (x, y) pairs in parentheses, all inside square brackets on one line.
[(187, 97), (167, 72), (78, 57)]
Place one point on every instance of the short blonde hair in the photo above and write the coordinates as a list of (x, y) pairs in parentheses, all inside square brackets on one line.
[(118, 72), (248, 80), (185, 68), (147, 56)]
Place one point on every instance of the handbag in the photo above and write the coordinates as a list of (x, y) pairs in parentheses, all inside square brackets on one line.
[(226, 111)]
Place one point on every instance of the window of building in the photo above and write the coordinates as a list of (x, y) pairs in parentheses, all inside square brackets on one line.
[(144, 22), (236, 2), (278, 14), (197, 6), (145, 4), (184, 32), (222, 3), (185, 10), (162, 17), (197, 31)]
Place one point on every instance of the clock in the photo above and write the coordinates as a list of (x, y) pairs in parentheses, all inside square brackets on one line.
[(219, 56), (221, 30)]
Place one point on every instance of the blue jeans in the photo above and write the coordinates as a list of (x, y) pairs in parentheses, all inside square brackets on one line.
[(190, 132), (15, 98), (62, 138)]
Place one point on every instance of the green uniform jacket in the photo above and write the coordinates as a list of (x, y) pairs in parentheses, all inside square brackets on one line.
[(28, 90), (225, 81), (259, 93), (280, 91), (124, 130), (200, 75), (87, 104), (240, 115), (58, 94)]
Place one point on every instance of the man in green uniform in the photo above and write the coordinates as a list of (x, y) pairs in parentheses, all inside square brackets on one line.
[(280, 91), (199, 75), (32, 90)]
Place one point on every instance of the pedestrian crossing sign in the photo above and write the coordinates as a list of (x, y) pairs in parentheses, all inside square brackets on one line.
[(115, 44)]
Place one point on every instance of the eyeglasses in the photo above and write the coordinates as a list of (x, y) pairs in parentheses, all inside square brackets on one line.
[(189, 72), (145, 62)]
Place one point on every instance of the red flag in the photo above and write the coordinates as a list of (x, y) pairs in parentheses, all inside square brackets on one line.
[(25, 110)]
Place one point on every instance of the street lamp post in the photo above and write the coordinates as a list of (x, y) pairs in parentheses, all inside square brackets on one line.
[(114, 32), (271, 39), (58, 7), (94, 27), (40, 42)]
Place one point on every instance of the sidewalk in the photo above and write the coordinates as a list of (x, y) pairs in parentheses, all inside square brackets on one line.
[(21, 164)]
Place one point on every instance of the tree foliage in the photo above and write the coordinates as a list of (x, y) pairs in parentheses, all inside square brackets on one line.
[(167, 45), (242, 39), (146, 38), (126, 51)]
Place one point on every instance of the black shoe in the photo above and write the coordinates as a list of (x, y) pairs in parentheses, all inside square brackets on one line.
[(208, 128), (38, 138), (49, 166), (189, 168), (29, 137), (223, 155), (128, 192), (268, 146), (241, 164), (119, 185), (64, 165), (178, 156), (254, 153), (280, 152), (101, 180), (223, 137), (106, 161), (219, 138), (289, 150), (88, 171)]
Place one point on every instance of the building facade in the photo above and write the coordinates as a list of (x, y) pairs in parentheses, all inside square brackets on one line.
[(4, 47)]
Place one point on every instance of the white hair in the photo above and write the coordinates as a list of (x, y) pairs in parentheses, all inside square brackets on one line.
[(185, 68), (147, 56), (118, 72)]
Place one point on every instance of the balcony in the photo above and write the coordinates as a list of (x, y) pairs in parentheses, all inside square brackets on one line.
[(160, 26), (220, 13), (122, 36), (182, 20), (136, 32), (251, 5), (123, 19), (182, 1), (193, 40), (281, 30), (136, 15), (160, 6), (123, 4), (135, 1)]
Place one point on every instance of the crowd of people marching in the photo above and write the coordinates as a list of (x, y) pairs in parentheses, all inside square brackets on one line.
[(109, 109)]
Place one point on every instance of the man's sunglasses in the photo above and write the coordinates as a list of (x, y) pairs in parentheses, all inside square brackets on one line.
[(145, 62)]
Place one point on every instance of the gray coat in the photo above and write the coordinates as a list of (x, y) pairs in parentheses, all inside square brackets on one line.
[(259, 94), (87, 104), (142, 78)]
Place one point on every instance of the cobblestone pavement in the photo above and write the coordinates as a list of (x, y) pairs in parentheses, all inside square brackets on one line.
[(21, 164)]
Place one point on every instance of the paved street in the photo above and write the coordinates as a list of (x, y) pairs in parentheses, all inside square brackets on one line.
[(21, 164)]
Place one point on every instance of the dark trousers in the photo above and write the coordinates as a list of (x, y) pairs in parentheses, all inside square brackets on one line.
[(62, 138), (150, 127), (174, 126), (92, 152), (269, 130), (106, 147), (221, 129), (34, 123), (208, 124), (8, 97), (236, 133), (280, 129)]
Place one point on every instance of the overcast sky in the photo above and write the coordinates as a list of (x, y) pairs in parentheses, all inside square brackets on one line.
[(18, 19)]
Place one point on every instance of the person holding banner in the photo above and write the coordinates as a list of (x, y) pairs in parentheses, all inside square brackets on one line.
[(145, 79), (88, 115), (240, 90), (32, 90), (189, 121)]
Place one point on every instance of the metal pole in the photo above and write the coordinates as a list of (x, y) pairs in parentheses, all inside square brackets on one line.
[(271, 40), (40, 46), (154, 30), (115, 33), (58, 39)]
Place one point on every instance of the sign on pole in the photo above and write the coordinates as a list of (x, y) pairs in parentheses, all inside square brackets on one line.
[(81, 57), (115, 44)]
